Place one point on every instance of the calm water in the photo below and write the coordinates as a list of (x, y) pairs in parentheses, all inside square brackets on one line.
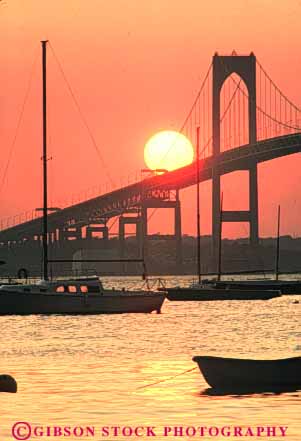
[(87, 370)]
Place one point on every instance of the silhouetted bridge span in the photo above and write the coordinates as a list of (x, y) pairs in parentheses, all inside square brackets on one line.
[(155, 191), (243, 118)]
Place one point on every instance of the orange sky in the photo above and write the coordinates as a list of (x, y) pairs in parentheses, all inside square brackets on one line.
[(135, 67)]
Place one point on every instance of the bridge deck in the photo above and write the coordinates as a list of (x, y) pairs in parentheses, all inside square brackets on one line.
[(115, 202)]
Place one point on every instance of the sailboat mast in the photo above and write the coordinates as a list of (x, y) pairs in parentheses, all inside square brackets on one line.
[(45, 200), (198, 203), (219, 264), (278, 243)]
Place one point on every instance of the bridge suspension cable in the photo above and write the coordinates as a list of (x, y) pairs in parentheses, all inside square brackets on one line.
[(188, 119), (225, 112), (199, 114), (276, 87), (84, 120), (276, 114), (272, 106), (196, 101), (279, 115)]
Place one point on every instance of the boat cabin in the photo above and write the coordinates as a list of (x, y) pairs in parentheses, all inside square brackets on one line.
[(70, 286)]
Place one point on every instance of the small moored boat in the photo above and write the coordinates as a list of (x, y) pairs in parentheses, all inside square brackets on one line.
[(243, 374), (286, 287), (209, 293)]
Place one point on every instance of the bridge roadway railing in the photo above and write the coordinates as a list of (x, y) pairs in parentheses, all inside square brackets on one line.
[(157, 187)]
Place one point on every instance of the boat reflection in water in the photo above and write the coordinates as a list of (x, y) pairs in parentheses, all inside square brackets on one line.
[(241, 391)]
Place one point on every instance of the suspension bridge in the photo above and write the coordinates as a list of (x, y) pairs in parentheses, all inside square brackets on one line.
[(244, 119)]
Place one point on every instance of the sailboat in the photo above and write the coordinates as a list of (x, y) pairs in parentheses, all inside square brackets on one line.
[(286, 287), (72, 296), (214, 291)]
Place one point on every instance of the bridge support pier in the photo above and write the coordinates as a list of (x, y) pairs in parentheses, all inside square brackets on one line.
[(127, 220), (178, 231), (177, 236), (97, 229), (250, 216), (253, 205), (71, 233), (216, 205)]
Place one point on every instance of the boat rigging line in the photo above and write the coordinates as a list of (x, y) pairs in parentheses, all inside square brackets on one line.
[(166, 379), (19, 122), (220, 238)]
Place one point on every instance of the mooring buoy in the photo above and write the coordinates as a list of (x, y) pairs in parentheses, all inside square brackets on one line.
[(8, 384)]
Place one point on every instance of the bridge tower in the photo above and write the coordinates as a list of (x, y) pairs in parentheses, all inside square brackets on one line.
[(223, 67)]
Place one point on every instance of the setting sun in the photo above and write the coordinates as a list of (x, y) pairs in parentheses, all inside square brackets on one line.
[(168, 150)]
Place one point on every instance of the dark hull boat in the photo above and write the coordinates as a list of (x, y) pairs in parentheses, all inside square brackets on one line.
[(204, 293), (8, 384), (210, 292), (17, 304), (78, 296), (250, 375), (73, 296), (285, 286)]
